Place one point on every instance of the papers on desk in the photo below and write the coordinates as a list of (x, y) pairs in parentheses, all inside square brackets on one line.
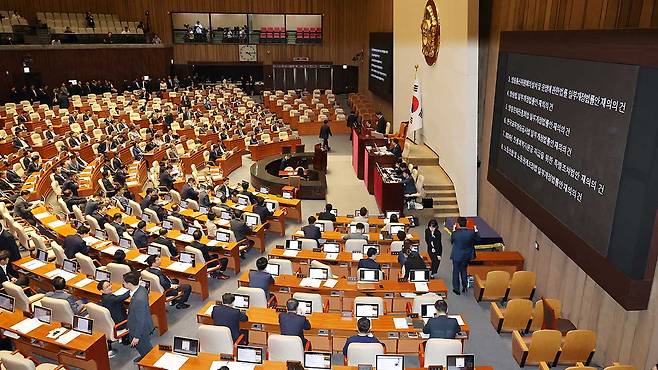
[(153, 229), (400, 323), (134, 224), (113, 249), (120, 291), (310, 283), (83, 283), (216, 365), (209, 310), (59, 272), (185, 238), (170, 361), (213, 243), (407, 295), (179, 266), (32, 265), (224, 223), (56, 224), (330, 283), (290, 253), (26, 325), (68, 336), (10, 334), (357, 256), (459, 319), (421, 287), (331, 256), (132, 183), (90, 240), (42, 215), (240, 207), (299, 233), (141, 258)]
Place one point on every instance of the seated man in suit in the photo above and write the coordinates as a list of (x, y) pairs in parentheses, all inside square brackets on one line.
[(75, 244), (261, 278), (7, 272), (188, 191), (363, 336), (408, 183), (327, 215), (204, 197), (369, 261), (442, 326), (226, 315), (114, 303), (205, 250), (140, 237), (363, 215), (292, 323), (23, 208), (8, 244), (311, 231), (261, 210), (396, 149), (118, 225), (162, 239), (60, 292), (359, 234), (154, 267)]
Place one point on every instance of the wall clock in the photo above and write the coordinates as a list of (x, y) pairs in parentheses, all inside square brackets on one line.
[(430, 33), (248, 53)]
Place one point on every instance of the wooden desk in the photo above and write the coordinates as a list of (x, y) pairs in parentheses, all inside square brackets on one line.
[(359, 142), (264, 150), (155, 155), (389, 195), (47, 220), (371, 160), (495, 261), (194, 158), (39, 280), (47, 150), (313, 128), (372, 221), (88, 178), (337, 236), (85, 351), (235, 144), (230, 162)]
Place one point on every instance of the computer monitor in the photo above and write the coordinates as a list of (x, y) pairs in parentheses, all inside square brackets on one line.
[(334, 212), (460, 362), (6, 302), (368, 310), (357, 213), (128, 210), (183, 204), (221, 236), (100, 234), (273, 269), (318, 273), (390, 213), (331, 247), (264, 190), (317, 360), (389, 362), (427, 310), (305, 307), (167, 225), (286, 195), (293, 245), (395, 228), (369, 275), (225, 215), (271, 206), (73, 82), (166, 197), (320, 226), (124, 243), (251, 220), (191, 230), (70, 266), (419, 276), (43, 314), (42, 255), (252, 355), (203, 210), (243, 200), (354, 230), (146, 284), (146, 218), (83, 325), (153, 250), (102, 275), (186, 346), (368, 246), (186, 257), (241, 301), (76, 224)]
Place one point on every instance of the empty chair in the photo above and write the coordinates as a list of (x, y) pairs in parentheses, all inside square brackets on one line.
[(379, 301), (153, 216), (328, 225), (515, 316), (363, 353), (522, 285), (493, 288), (319, 264), (40, 243), (285, 266), (436, 349), (60, 256), (177, 223), (355, 245), (577, 346), (103, 323), (18, 362), (543, 345), (112, 234), (538, 312), (93, 223), (21, 300), (217, 339), (315, 299), (87, 265), (308, 244), (284, 348), (117, 270), (136, 209), (61, 309)]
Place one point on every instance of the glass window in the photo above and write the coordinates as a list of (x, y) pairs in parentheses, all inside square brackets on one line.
[(191, 27)]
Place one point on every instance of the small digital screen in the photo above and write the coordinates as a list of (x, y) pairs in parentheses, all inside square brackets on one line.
[(186, 346), (243, 201), (273, 269), (368, 246), (124, 243), (101, 275), (354, 230), (287, 195), (191, 230), (368, 275), (419, 276), (305, 307), (153, 250), (241, 301), (203, 210), (183, 204), (43, 314), (317, 360), (271, 206), (83, 325), (264, 190), (129, 210), (318, 273), (460, 362), (146, 284), (42, 255), (251, 220), (334, 212), (390, 362), (253, 355), (222, 236), (225, 215), (6, 302), (146, 218), (320, 226), (73, 82), (100, 234), (367, 310), (70, 266), (427, 310), (395, 228), (167, 225), (186, 257), (331, 248), (294, 245)]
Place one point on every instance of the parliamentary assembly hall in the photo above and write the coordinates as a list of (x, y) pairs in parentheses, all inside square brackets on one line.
[(328, 184)]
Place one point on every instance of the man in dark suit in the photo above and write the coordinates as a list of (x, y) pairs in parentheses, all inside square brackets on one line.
[(188, 191), (140, 323), (408, 183), (204, 197), (261, 210), (75, 244), (12, 176), (113, 303), (311, 231), (225, 315), (154, 267), (23, 208), (162, 239), (325, 132), (140, 237), (369, 261), (7, 272), (261, 278), (442, 326), (463, 250), (396, 149), (20, 142), (364, 336), (381, 123), (223, 262), (327, 215), (239, 227), (71, 184), (291, 323), (166, 179), (117, 224), (8, 243), (60, 177)]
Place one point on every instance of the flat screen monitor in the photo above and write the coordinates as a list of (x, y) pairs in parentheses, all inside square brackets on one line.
[(251, 220), (273, 269), (167, 225), (264, 190), (6, 302), (241, 301), (186, 346), (318, 273), (367, 310), (83, 325), (252, 355), (271, 206), (368, 246), (293, 245), (419, 276), (221, 236), (305, 307), (42, 255), (183, 204), (100, 234), (191, 230), (369, 275), (146, 284), (73, 82), (43, 314), (460, 362), (354, 230), (427, 310), (317, 360), (203, 210), (395, 228), (331, 247), (186, 257), (389, 362), (287, 195), (128, 210), (153, 250), (102, 275), (70, 266), (146, 218), (225, 215), (124, 243), (243, 200), (320, 226), (357, 213), (334, 212)]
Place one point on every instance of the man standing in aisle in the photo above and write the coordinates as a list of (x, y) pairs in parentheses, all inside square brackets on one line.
[(463, 250), (325, 132), (139, 323)]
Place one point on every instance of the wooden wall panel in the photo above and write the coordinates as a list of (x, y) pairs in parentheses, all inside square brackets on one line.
[(629, 337)]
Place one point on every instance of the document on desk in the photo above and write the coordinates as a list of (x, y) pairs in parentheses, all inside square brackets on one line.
[(400, 323), (459, 319), (32, 265), (56, 224), (331, 256), (216, 365), (83, 283), (42, 215), (141, 258), (179, 266), (290, 253), (224, 223), (113, 249), (26, 325), (170, 361), (185, 238), (310, 283), (153, 229), (421, 287), (90, 240), (59, 272), (209, 310), (357, 256), (330, 283), (68, 336), (120, 291)]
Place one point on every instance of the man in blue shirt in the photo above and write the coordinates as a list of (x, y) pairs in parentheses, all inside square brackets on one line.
[(292, 323), (364, 336), (442, 326), (369, 261), (261, 278)]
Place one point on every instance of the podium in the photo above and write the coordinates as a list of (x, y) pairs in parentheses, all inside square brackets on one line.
[(320, 158)]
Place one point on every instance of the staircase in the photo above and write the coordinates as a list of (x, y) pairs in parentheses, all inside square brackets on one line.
[(444, 200)]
